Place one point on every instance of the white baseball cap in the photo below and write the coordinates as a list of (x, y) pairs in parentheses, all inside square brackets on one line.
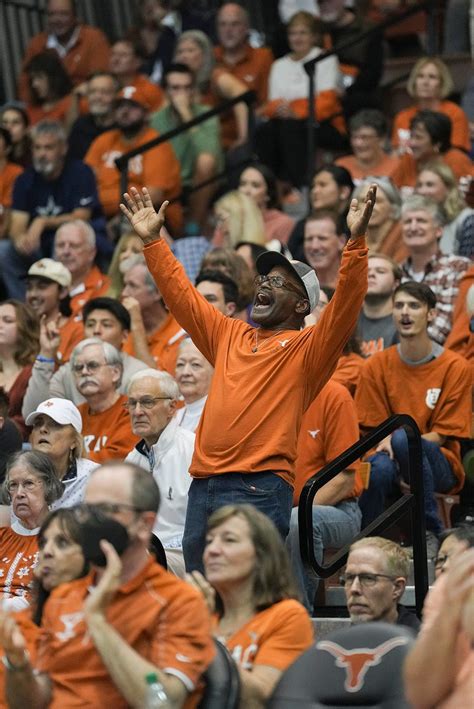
[(51, 270), (62, 411)]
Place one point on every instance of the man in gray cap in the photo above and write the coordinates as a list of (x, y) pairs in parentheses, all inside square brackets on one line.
[(265, 377)]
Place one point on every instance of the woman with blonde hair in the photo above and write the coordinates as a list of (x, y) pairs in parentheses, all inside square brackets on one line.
[(238, 218), (129, 244), (437, 180), (429, 84)]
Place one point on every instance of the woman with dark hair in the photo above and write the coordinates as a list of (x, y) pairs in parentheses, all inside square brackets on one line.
[(249, 587), (259, 183), (331, 188), (50, 88), (19, 345), (430, 139), (14, 118)]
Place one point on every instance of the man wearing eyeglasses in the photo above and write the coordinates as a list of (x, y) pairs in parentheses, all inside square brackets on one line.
[(165, 450), (265, 377), (374, 582), (97, 369)]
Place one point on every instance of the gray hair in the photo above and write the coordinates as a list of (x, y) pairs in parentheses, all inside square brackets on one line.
[(49, 127), (40, 465), (111, 354), (417, 203), (203, 74), (84, 227), (140, 260), (168, 385), (388, 188)]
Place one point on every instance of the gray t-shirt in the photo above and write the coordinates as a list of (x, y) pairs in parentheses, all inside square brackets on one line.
[(376, 334)]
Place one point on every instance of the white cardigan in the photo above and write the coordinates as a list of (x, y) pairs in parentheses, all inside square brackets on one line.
[(288, 79)]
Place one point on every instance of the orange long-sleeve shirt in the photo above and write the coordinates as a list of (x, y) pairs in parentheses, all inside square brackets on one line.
[(257, 398)]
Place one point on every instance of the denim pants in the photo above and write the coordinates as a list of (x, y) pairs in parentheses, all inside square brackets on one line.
[(13, 269), (384, 474), (266, 491), (333, 526)]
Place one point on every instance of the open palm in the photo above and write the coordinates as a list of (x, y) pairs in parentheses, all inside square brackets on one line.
[(141, 214), (358, 216)]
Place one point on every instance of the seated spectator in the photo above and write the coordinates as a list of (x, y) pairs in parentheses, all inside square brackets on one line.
[(439, 668), (281, 143), (198, 150), (100, 92), (331, 188), (82, 49), (49, 88), (461, 337), (157, 39), (8, 174), (324, 242), (105, 423), (10, 439), (422, 227), (368, 131), (452, 541), (30, 486), (376, 328), (47, 293), (154, 334), (237, 218), (14, 118), (429, 84), (350, 364), (53, 191), (19, 345), (250, 253), (258, 182), (329, 426), (102, 317), (437, 181), (75, 247), (433, 385), (215, 85), (374, 581), (125, 60), (234, 266), (430, 140), (115, 621), (256, 615), (361, 62), (193, 376), (220, 290), (128, 245), (157, 168), (165, 449), (384, 233), (251, 65), (57, 432)]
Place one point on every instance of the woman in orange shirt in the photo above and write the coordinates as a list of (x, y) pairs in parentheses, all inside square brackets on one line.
[(50, 88), (257, 615)]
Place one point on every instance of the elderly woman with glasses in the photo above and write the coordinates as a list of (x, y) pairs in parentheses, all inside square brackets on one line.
[(30, 486)]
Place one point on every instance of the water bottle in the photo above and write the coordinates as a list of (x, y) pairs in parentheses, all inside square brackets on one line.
[(155, 694)]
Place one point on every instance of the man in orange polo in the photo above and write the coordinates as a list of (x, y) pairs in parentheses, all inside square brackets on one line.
[(124, 65)]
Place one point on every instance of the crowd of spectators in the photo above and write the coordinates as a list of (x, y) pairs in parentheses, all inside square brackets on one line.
[(183, 349)]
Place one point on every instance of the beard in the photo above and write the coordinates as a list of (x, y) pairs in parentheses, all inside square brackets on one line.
[(44, 167), (131, 129)]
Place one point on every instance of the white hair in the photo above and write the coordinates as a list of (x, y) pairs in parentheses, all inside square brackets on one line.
[(111, 354), (168, 385), (84, 227), (420, 203)]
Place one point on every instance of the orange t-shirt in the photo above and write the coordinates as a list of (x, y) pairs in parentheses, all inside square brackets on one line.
[(436, 394), (407, 170), (94, 285), (57, 113), (384, 168), (18, 558), (348, 371), (461, 339), (459, 121), (274, 637), (392, 245), (258, 373), (31, 633), (328, 428), (156, 168), (71, 333), (161, 617), (107, 435), (7, 179), (253, 69), (163, 344)]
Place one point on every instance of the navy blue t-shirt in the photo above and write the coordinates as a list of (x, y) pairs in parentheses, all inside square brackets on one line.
[(74, 188)]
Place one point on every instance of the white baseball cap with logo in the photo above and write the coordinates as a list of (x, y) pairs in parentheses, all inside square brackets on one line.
[(52, 270), (62, 411)]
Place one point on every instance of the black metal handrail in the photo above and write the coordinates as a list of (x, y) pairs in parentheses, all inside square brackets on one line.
[(412, 502)]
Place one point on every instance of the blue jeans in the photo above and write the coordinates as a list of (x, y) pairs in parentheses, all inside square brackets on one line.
[(14, 267), (333, 526), (384, 474), (266, 491)]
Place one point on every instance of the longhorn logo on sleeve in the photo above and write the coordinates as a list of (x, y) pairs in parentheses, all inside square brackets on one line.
[(357, 662)]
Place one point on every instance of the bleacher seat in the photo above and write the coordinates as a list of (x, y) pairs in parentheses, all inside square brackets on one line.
[(222, 680)]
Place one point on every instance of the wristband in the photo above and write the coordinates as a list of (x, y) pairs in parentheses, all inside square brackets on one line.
[(16, 668), (49, 360)]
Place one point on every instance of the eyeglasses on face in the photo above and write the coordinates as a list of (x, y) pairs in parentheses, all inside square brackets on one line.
[(278, 282), (148, 402), (28, 485), (106, 508), (365, 580), (88, 366)]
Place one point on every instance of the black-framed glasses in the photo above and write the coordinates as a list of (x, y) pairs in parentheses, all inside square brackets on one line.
[(278, 282), (90, 367), (147, 402), (366, 580)]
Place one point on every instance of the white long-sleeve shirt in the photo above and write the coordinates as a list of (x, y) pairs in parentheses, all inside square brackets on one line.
[(288, 79)]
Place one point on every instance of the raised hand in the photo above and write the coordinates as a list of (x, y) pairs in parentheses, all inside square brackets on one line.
[(50, 336), (142, 215), (99, 599), (358, 216), (201, 584)]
